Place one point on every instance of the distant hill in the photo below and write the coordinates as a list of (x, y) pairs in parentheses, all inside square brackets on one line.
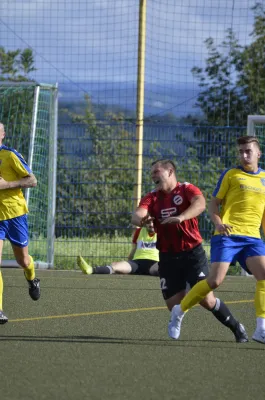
[(178, 100)]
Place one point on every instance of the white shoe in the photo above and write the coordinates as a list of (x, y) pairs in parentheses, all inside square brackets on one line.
[(174, 324), (259, 336)]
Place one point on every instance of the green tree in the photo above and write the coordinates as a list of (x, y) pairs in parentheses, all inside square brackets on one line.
[(16, 102), (9, 64), (15, 65), (233, 80), (27, 62), (232, 87), (220, 100), (251, 77), (100, 186)]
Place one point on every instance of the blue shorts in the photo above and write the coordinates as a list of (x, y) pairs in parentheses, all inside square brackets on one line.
[(236, 248), (15, 230)]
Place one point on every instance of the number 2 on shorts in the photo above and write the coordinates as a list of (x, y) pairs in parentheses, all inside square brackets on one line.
[(163, 284)]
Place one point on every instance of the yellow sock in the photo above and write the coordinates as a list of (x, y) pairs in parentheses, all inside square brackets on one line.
[(30, 271), (1, 291), (195, 295), (260, 299)]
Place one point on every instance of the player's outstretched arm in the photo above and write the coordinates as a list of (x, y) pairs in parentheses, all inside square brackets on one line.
[(141, 217), (27, 182), (196, 207)]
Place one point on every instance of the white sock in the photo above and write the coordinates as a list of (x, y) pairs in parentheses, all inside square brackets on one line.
[(260, 324)]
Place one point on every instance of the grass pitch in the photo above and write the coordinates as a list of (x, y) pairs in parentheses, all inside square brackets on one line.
[(105, 337)]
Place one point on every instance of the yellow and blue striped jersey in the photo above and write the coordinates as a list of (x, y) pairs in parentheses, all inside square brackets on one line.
[(13, 167), (243, 200)]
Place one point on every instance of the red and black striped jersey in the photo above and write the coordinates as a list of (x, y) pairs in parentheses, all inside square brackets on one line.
[(160, 205)]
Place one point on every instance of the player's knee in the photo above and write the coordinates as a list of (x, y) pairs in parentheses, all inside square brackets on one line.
[(214, 282), (209, 301), (205, 303), (24, 262), (153, 271)]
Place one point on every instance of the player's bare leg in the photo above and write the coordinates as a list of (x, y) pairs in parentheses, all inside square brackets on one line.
[(26, 262), (117, 267), (122, 267), (153, 271), (3, 317)]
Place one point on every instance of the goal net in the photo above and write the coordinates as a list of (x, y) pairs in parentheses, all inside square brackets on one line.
[(29, 113)]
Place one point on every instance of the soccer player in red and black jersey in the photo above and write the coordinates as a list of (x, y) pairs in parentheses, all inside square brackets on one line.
[(174, 208)]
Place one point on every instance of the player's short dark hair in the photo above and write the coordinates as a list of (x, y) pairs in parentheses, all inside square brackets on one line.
[(165, 163), (248, 139)]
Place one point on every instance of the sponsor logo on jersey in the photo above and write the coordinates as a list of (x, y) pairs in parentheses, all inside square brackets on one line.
[(252, 188), (177, 200), (168, 212), (145, 245)]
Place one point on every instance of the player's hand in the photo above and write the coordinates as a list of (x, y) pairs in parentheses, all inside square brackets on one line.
[(172, 220), (224, 229), (146, 220)]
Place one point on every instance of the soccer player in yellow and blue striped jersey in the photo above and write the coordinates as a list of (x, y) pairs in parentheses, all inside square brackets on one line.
[(237, 212), (15, 174)]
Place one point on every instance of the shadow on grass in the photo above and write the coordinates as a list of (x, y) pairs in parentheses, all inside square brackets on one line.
[(209, 343), (63, 288), (119, 289)]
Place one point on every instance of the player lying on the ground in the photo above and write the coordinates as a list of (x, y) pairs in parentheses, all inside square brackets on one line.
[(142, 260)]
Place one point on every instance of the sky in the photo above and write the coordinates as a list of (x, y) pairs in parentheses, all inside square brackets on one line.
[(91, 45)]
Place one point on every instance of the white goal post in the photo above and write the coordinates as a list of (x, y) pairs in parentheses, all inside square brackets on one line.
[(29, 111)]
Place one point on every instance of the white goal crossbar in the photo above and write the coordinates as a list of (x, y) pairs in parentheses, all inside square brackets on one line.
[(252, 120)]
